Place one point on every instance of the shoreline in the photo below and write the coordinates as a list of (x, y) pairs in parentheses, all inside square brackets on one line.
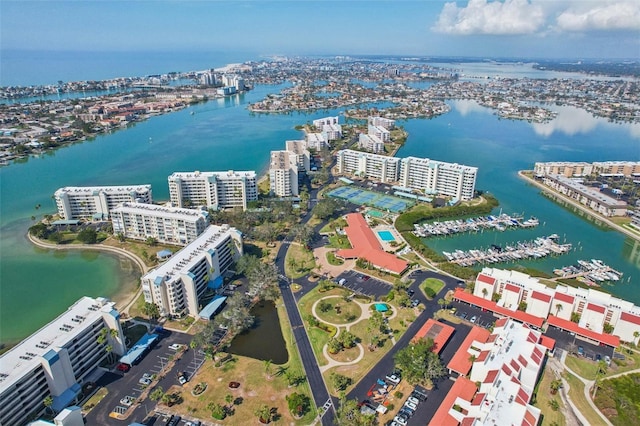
[(123, 298), (586, 210)]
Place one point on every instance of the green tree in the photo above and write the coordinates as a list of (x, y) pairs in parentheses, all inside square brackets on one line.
[(157, 394), (334, 346), (263, 413), (48, 403), (348, 414), (339, 381), (298, 403), (151, 310), (150, 241), (418, 363), (217, 411), (347, 339), (88, 236), (575, 317)]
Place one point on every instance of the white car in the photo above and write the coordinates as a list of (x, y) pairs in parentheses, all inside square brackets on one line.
[(175, 346), (127, 400), (401, 420), (413, 400), (144, 381), (410, 405)]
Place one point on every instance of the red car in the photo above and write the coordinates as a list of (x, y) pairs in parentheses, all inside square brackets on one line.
[(123, 367)]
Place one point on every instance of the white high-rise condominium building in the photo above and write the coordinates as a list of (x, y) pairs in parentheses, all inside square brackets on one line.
[(437, 177), (321, 122), (56, 360), (299, 148), (379, 132), (422, 174), (283, 174), (332, 132), (316, 141), (366, 165), (178, 285), (96, 202), (170, 225), (371, 143), (215, 190), (387, 123)]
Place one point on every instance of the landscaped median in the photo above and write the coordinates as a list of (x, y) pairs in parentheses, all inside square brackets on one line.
[(349, 317)]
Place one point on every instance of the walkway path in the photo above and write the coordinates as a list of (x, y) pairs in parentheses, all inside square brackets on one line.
[(328, 269), (588, 384), (366, 314)]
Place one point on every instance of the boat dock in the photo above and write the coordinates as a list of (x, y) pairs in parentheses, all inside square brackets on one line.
[(535, 249), (590, 272), (501, 222)]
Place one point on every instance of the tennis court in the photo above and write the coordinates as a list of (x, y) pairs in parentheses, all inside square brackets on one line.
[(368, 198)]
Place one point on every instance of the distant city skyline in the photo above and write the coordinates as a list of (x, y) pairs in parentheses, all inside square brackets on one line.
[(475, 28)]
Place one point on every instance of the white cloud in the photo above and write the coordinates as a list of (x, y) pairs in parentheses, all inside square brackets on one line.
[(601, 16), (570, 121), (511, 17)]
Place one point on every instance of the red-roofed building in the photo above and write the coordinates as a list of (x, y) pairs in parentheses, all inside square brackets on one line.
[(460, 394), (439, 332), (626, 326), (366, 246), (541, 296), (489, 305), (607, 339), (472, 345)]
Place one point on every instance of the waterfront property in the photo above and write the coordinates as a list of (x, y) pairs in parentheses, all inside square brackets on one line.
[(366, 246), (180, 285), (299, 149), (283, 174), (419, 174), (96, 202), (590, 197), (582, 169), (594, 310), (505, 367), (168, 225), (316, 141), (215, 190), (360, 196), (58, 359)]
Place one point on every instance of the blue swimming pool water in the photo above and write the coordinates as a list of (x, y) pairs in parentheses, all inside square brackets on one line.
[(386, 236)]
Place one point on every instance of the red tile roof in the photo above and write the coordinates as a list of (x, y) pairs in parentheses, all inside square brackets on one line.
[(493, 307), (607, 339), (366, 246), (595, 308), (547, 342), (491, 376), (540, 296), (624, 316), (463, 388), (563, 297), (460, 361), (513, 288), (486, 279), (439, 332), (529, 419)]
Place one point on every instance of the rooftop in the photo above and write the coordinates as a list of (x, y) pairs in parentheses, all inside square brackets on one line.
[(439, 332), (160, 211), (56, 334)]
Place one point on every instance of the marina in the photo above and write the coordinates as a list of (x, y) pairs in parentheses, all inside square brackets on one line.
[(500, 222), (591, 272), (534, 249)]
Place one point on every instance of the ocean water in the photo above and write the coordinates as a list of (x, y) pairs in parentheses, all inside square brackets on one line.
[(37, 285)]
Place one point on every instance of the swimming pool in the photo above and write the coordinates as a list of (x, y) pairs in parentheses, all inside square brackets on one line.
[(386, 236)]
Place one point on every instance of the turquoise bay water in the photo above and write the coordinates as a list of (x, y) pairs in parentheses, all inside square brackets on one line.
[(37, 285)]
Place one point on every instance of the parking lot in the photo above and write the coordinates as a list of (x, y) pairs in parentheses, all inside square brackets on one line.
[(363, 284), (131, 384)]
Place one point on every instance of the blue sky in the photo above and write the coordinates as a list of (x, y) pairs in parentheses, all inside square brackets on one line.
[(479, 28)]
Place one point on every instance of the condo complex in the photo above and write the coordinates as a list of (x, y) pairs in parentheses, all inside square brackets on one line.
[(97, 202), (58, 359), (214, 190), (180, 285), (420, 174)]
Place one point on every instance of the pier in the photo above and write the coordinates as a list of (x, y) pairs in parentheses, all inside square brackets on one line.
[(590, 272), (501, 222), (535, 249)]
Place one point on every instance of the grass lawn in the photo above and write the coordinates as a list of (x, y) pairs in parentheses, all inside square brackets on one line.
[(584, 367), (543, 396), (94, 400), (333, 260), (255, 388), (330, 227), (357, 372), (181, 324), (135, 311), (576, 393), (298, 262), (133, 334), (339, 311), (431, 287), (412, 257), (339, 242), (631, 362)]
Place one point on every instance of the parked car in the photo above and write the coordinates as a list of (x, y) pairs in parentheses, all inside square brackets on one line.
[(473, 319), (174, 421), (176, 346), (410, 405), (415, 303), (401, 419), (123, 367), (418, 393), (580, 351), (127, 400), (393, 378), (413, 400), (464, 315), (607, 359), (182, 378)]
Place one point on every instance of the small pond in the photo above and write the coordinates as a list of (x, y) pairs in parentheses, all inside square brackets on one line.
[(264, 341)]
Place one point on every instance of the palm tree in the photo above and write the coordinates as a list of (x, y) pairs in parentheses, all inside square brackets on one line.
[(484, 293), (558, 308), (48, 402), (267, 367), (636, 334)]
